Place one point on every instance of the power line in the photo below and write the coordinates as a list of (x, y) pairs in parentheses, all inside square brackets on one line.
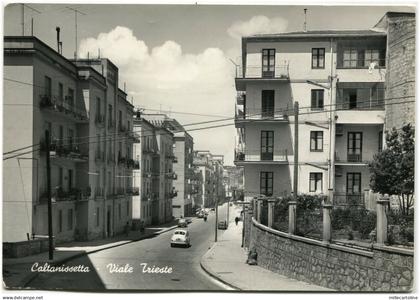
[(194, 129)]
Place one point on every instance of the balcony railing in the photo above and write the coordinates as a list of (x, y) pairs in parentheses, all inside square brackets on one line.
[(372, 104), (250, 155), (99, 192), (63, 106), (259, 114), (240, 98), (348, 199), (99, 120), (349, 158), (280, 71), (68, 151)]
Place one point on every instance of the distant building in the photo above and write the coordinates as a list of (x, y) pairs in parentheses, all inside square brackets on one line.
[(234, 181), (78, 102), (203, 160)]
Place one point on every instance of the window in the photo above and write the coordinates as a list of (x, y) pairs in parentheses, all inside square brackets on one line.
[(47, 86), (267, 145), (317, 140), (315, 182), (70, 219), (350, 58), (70, 138), (98, 106), (119, 119), (267, 103), (266, 183), (318, 58), (60, 91), (110, 115), (354, 146), (128, 209), (317, 99), (70, 97), (119, 211), (354, 183), (60, 177), (268, 62), (61, 135), (60, 221), (380, 141), (371, 56), (70, 179), (97, 217)]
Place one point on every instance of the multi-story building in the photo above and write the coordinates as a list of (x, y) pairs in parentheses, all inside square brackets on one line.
[(233, 178), (70, 100), (400, 79), (317, 94), (197, 188), (219, 187), (203, 160), (156, 155)]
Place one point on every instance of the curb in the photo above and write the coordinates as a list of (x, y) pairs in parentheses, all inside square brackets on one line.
[(212, 274), (29, 278)]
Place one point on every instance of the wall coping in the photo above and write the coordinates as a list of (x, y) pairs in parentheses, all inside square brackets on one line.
[(312, 241), (380, 247), (391, 249)]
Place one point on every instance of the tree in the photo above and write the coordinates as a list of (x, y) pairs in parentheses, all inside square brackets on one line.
[(392, 170)]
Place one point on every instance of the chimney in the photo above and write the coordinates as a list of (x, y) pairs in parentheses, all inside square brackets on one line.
[(58, 38)]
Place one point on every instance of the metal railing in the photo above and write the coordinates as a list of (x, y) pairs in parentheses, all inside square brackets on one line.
[(63, 106), (349, 157), (278, 155), (279, 71), (260, 114), (371, 104)]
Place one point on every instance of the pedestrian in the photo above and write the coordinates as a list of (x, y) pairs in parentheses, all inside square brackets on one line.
[(236, 221), (127, 229)]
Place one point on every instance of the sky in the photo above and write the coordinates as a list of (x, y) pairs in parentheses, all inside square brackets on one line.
[(177, 59)]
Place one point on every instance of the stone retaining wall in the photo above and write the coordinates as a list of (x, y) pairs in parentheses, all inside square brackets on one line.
[(333, 266)]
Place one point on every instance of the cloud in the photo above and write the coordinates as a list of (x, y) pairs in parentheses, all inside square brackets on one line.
[(165, 77), (257, 25)]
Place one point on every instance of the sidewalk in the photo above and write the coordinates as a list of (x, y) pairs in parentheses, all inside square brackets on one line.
[(226, 261), (17, 271)]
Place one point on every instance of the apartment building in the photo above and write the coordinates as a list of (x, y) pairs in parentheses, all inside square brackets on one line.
[(70, 100), (183, 167), (335, 81), (197, 188), (233, 178), (219, 186), (160, 160)]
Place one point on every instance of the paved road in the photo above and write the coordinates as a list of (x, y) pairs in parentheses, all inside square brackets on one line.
[(185, 263)]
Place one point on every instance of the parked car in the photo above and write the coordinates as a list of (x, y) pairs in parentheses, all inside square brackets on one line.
[(182, 223), (212, 209), (200, 214), (189, 220), (181, 237), (222, 225)]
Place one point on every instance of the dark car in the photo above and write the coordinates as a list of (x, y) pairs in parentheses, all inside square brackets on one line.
[(222, 225)]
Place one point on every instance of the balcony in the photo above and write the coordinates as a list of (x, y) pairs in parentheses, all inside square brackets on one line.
[(240, 98), (349, 159), (135, 191), (100, 120), (120, 191), (68, 152), (275, 74), (250, 156), (74, 194), (260, 116), (99, 193), (64, 107), (348, 199), (134, 137), (172, 175)]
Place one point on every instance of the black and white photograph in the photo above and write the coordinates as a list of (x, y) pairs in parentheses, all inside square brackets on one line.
[(208, 147)]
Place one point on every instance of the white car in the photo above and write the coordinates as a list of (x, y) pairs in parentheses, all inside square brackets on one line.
[(181, 237)]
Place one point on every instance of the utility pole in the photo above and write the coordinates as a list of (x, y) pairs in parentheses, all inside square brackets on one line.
[(228, 212), (296, 152), (76, 11), (50, 231), (217, 217)]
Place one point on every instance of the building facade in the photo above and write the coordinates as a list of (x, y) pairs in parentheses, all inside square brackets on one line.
[(233, 178), (318, 95), (400, 29), (69, 99)]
